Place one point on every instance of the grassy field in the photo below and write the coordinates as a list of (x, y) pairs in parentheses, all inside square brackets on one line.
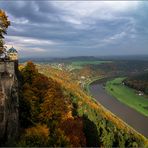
[(127, 95), (79, 64), (73, 67), (82, 63)]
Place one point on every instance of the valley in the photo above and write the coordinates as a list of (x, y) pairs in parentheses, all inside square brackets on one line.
[(73, 74), (132, 98), (133, 118), (94, 78)]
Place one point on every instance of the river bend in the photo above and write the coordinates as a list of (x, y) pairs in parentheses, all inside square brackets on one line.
[(127, 114)]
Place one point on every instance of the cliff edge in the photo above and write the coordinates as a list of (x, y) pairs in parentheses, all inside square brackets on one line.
[(8, 102)]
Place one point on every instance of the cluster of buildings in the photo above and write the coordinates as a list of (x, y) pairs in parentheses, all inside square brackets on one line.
[(11, 54), (9, 63)]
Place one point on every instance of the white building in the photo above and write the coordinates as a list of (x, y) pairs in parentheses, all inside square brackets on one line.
[(12, 54)]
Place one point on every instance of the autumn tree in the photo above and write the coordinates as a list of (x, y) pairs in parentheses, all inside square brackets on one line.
[(55, 105), (45, 112), (29, 72), (4, 24), (73, 129), (34, 88), (35, 136)]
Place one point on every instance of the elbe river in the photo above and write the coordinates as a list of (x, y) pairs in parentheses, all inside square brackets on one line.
[(133, 118)]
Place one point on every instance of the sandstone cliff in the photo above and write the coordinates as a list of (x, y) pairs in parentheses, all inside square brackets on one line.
[(8, 103)]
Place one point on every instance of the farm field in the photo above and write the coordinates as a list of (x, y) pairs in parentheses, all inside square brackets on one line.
[(83, 63), (80, 64), (127, 95)]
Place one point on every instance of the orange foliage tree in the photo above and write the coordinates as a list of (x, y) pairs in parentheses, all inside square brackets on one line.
[(73, 129), (43, 101), (35, 136), (4, 23)]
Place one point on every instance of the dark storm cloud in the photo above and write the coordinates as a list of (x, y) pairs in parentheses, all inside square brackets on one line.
[(68, 28), (31, 10)]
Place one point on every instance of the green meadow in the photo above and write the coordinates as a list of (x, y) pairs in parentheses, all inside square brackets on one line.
[(79, 64), (127, 95), (83, 63)]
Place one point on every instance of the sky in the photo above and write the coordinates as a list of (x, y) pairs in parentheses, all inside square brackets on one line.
[(77, 28)]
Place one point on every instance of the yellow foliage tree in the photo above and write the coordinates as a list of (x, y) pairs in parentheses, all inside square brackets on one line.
[(35, 136), (4, 24)]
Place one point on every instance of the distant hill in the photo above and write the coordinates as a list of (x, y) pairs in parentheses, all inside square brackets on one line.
[(85, 58), (59, 59)]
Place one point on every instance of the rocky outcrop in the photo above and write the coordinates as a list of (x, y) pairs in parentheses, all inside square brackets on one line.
[(8, 107)]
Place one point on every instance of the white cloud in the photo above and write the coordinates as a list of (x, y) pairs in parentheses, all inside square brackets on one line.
[(28, 41), (114, 38), (29, 45), (119, 6), (77, 12), (71, 20), (20, 20)]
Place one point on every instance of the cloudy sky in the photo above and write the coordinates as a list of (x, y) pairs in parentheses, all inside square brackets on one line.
[(76, 28)]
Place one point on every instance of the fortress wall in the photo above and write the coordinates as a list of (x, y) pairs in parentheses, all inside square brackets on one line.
[(2, 114), (8, 102), (10, 66)]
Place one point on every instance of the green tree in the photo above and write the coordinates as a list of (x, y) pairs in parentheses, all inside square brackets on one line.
[(59, 139), (91, 133)]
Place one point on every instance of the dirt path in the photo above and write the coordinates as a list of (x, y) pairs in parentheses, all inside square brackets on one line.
[(127, 114)]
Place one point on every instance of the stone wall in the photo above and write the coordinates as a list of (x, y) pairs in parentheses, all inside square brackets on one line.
[(8, 103), (9, 66)]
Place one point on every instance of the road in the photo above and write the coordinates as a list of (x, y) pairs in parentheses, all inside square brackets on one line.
[(136, 120)]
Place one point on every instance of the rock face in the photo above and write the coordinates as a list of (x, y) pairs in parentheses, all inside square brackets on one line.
[(8, 102)]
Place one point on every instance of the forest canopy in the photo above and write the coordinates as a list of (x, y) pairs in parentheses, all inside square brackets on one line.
[(45, 112)]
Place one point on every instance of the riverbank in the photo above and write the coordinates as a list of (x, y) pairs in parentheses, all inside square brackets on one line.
[(127, 95), (87, 85), (133, 118), (107, 124)]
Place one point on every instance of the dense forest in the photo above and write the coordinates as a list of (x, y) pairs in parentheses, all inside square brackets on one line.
[(54, 112), (125, 67), (138, 82), (46, 113)]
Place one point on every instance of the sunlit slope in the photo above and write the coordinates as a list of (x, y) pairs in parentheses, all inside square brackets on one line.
[(111, 130)]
